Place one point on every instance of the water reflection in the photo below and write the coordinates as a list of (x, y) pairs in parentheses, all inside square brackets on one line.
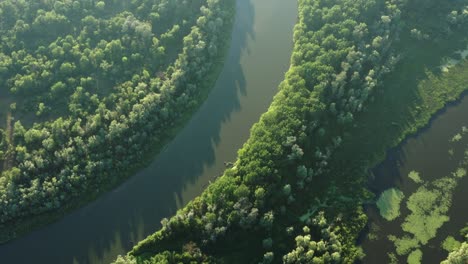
[(428, 154), (119, 219)]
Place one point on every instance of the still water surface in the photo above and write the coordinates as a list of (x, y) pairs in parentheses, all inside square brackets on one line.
[(428, 154), (258, 58)]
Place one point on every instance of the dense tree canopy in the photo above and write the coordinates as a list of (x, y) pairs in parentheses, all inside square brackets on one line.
[(90, 83), (265, 207), (342, 50)]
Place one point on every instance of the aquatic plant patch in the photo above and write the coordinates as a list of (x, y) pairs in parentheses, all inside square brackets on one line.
[(415, 257), (429, 206), (389, 203), (414, 175), (451, 244)]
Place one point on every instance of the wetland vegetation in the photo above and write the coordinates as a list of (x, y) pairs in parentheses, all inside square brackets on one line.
[(300, 175), (105, 84), (287, 172)]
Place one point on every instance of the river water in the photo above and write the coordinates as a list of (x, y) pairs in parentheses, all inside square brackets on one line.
[(433, 155), (258, 58)]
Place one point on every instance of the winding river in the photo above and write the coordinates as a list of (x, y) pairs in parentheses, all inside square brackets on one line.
[(258, 58)]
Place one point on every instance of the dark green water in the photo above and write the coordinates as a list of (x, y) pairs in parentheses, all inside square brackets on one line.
[(428, 154), (257, 60)]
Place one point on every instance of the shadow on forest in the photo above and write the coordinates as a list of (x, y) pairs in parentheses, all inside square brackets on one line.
[(426, 153), (400, 95), (420, 151), (118, 220), (413, 70)]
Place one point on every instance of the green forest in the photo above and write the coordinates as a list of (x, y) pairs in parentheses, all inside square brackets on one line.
[(92, 91), (297, 189), (86, 85)]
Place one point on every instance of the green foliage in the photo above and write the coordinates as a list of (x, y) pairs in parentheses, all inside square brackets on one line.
[(428, 213), (460, 172), (414, 175), (342, 53), (411, 97), (125, 260), (405, 244), (392, 258), (457, 138), (308, 250), (104, 87), (415, 257), (429, 206), (389, 203), (464, 232), (459, 256), (268, 258), (450, 244)]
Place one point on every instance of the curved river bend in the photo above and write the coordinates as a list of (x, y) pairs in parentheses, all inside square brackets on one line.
[(258, 58)]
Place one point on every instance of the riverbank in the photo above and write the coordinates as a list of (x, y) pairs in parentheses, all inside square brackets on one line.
[(252, 213), (12, 230), (432, 154), (412, 97), (117, 220), (289, 137)]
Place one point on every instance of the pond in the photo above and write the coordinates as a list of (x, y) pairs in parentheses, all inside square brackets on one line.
[(258, 58), (429, 169)]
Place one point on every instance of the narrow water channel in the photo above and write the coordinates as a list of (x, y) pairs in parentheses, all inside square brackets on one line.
[(433, 154), (258, 58)]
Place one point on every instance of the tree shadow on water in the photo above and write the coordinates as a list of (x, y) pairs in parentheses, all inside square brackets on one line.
[(115, 222)]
